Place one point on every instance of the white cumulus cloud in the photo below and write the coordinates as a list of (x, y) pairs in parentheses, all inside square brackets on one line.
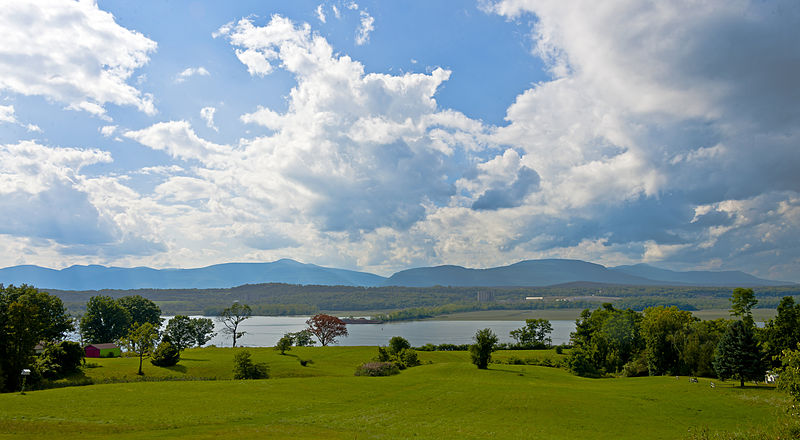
[(71, 52)]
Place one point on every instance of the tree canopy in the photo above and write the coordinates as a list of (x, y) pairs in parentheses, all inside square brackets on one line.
[(104, 321), (231, 317), (326, 328)]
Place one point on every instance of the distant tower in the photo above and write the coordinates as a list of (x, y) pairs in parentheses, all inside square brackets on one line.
[(485, 296)]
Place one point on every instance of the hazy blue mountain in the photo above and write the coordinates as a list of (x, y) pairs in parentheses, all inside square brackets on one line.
[(218, 276), (697, 277), (532, 273)]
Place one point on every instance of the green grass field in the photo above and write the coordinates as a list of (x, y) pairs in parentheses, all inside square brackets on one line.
[(446, 398)]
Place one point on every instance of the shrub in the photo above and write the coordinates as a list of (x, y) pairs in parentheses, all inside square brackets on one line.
[(398, 344), (409, 357), (244, 368), (481, 351), (559, 349), (166, 354), (58, 360), (377, 369), (284, 344)]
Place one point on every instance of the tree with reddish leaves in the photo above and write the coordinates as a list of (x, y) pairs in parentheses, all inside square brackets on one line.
[(326, 328)]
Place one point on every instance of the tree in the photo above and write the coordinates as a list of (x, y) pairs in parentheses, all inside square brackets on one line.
[(232, 317), (141, 310), (185, 332), (104, 321), (59, 359), (244, 368), (789, 375), (742, 301), (166, 354), (326, 328), (202, 331), (481, 351), (141, 340), (737, 355), (782, 332), (284, 344), (665, 330), (535, 333), (303, 338), (27, 316), (398, 344), (606, 340)]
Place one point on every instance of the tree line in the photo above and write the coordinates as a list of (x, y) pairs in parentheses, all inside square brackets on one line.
[(667, 340)]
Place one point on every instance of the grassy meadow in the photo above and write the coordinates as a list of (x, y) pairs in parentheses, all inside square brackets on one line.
[(446, 398)]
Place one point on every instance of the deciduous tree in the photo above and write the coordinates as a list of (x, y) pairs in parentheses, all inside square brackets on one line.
[(326, 328), (232, 317), (141, 340), (185, 332), (535, 333), (104, 321), (141, 310), (27, 316), (481, 351)]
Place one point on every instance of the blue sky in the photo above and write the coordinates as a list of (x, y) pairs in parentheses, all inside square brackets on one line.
[(385, 135)]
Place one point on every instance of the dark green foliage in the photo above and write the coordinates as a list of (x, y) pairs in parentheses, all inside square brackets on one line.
[(59, 359), (742, 301), (697, 352), (166, 354), (375, 369), (399, 353), (185, 332), (244, 368), (303, 338), (104, 321), (27, 316), (481, 351), (535, 334), (141, 309), (737, 355), (789, 376), (782, 332), (398, 344), (665, 331), (284, 344), (605, 340)]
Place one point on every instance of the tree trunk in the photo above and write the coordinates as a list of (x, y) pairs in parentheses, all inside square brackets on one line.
[(741, 382), (141, 356)]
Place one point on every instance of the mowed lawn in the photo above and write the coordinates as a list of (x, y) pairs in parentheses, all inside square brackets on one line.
[(447, 398)]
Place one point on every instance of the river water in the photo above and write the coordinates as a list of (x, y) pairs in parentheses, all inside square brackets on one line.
[(264, 331)]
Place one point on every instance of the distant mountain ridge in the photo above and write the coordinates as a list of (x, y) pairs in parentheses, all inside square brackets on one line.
[(528, 273)]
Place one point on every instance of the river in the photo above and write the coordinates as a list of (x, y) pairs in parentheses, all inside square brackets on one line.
[(264, 331)]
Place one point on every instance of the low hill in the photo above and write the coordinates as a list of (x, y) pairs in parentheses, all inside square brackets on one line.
[(697, 277), (218, 276)]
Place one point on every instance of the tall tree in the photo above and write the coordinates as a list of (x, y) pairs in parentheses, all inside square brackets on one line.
[(742, 301), (535, 333), (104, 321), (665, 330), (27, 316), (202, 331), (481, 350), (141, 310), (737, 355), (782, 332), (141, 340), (326, 328), (231, 317)]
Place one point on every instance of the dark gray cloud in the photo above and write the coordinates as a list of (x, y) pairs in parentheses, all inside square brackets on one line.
[(510, 195)]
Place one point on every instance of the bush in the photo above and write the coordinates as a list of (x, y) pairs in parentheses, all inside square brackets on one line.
[(59, 360), (284, 344), (374, 369), (166, 354), (481, 351), (244, 368), (398, 344), (409, 357), (559, 349)]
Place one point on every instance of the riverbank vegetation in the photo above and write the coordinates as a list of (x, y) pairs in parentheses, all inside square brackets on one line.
[(286, 299)]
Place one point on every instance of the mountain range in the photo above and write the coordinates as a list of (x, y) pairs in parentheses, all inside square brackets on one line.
[(529, 273)]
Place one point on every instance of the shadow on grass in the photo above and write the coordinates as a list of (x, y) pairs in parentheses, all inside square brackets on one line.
[(194, 360), (177, 368)]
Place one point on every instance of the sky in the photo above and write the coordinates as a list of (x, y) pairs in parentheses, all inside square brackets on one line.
[(380, 136)]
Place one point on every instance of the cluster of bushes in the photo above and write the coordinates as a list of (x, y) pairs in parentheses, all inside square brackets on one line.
[(399, 352), (245, 368), (377, 369), (539, 362)]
